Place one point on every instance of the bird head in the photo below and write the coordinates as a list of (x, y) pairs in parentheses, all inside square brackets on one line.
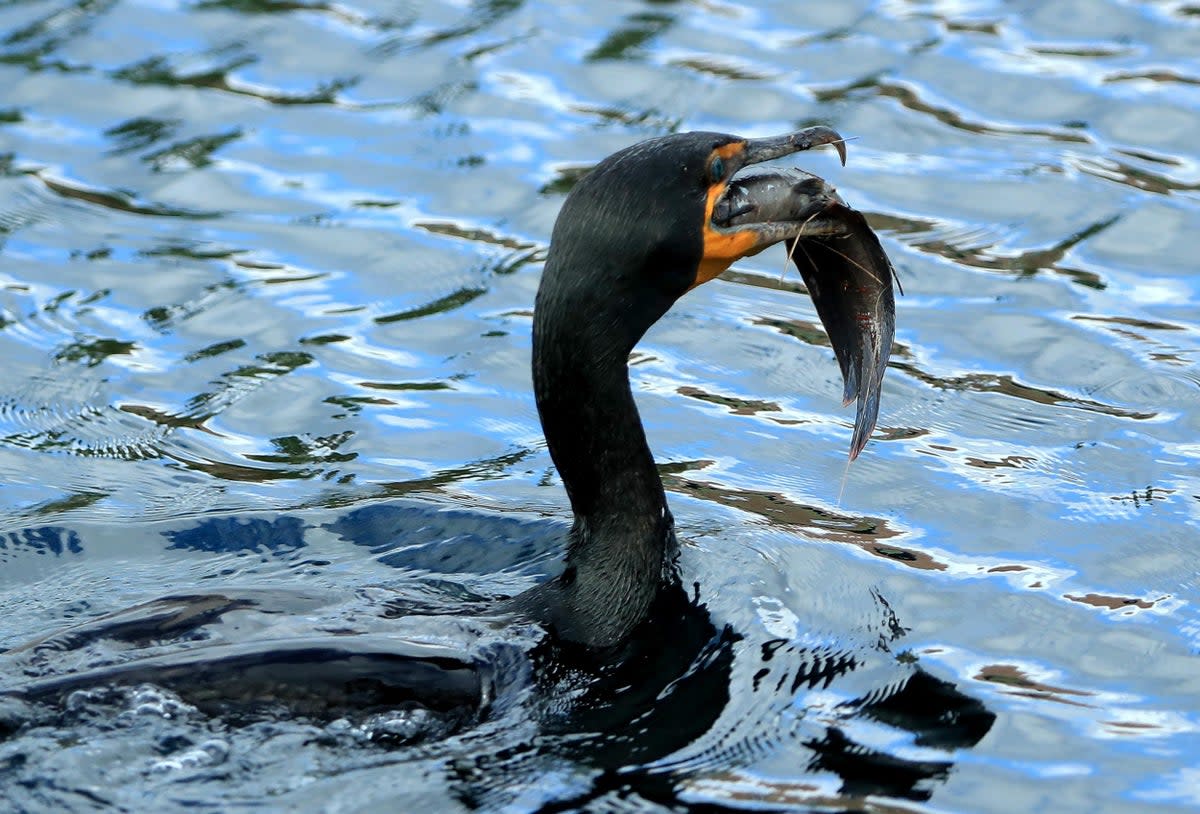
[(659, 218)]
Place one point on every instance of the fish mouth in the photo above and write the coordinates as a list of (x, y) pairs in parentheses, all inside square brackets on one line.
[(777, 204), (769, 205)]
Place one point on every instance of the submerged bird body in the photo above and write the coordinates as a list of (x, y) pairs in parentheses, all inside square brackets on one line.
[(641, 229)]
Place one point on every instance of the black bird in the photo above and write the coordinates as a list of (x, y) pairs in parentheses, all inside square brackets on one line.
[(636, 670), (645, 226)]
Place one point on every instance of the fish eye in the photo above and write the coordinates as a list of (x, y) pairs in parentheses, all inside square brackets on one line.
[(716, 169)]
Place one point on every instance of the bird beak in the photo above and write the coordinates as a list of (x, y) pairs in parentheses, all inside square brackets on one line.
[(759, 150), (745, 214), (844, 267)]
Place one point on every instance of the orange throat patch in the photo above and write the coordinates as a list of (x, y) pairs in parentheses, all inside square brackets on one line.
[(721, 249)]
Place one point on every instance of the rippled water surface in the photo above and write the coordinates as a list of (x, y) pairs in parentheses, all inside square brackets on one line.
[(266, 282)]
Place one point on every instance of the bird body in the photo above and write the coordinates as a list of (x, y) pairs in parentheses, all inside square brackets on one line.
[(645, 226)]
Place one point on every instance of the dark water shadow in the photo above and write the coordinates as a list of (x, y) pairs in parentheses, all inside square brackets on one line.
[(635, 724)]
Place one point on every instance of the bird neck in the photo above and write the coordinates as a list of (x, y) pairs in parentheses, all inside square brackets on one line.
[(622, 547), (595, 435)]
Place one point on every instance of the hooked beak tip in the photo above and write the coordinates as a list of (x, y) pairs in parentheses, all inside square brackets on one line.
[(840, 146)]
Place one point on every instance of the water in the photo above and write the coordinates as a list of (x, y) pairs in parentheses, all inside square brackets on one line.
[(266, 424)]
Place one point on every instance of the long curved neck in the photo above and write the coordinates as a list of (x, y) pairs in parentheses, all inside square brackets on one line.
[(622, 545), (593, 429)]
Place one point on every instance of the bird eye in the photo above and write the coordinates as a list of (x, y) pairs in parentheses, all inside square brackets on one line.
[(716, 170)]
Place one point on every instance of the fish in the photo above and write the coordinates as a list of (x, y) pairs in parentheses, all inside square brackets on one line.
[(850, 280), (844, 267)]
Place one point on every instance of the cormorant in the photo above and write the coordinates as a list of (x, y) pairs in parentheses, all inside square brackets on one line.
[(645, 226)]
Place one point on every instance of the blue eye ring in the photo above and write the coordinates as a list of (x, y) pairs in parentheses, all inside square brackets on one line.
[(716, 169)]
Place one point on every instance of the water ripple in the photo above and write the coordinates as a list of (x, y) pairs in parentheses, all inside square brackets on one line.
[(277, 255)]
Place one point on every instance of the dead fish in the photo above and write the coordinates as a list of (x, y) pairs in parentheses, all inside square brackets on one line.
[(849, 277), (846, 271)]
